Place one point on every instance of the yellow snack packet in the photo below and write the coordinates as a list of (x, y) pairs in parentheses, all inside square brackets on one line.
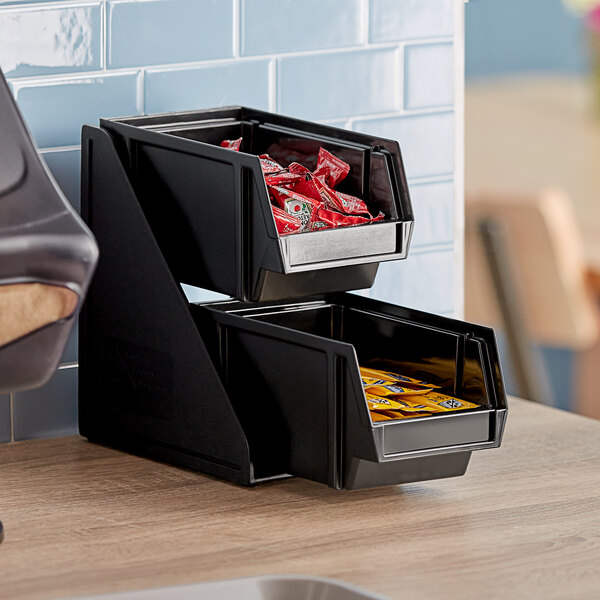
[(432, 402), (377, 417), (443, 403), (413, 405), (367, 372), (428, 404), (378, 403), (393, 389), (374, 381), (398, 414)]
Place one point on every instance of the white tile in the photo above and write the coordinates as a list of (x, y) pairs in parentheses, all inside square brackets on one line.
[(428, 76), (426, 141)]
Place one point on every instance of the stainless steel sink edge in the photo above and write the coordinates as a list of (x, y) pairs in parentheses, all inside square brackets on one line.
[(266, 587)]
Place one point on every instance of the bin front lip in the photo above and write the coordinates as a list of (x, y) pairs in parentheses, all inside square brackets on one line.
[(437, 451), (376, 242)]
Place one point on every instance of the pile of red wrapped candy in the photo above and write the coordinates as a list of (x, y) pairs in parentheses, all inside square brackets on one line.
[(302, 200)]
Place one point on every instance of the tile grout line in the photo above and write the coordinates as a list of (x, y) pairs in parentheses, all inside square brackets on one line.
[(429, 179), (212, 62), (273, 83), (432, 248), (103, 33), (237, 29), (365, 19), (401, 91), (417, 112), (140, 90), (40, 80)]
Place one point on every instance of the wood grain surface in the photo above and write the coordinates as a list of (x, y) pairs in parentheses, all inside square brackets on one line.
[(524, 522)]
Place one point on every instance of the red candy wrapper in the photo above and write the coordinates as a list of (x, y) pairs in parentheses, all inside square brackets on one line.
[(232, 144), (305, 185), (314, 188), (269, 166), (353, 205), (330, 197), (330, 169), (285, 222), (326, 219), (283, 178), (296, 205), (307, 201)]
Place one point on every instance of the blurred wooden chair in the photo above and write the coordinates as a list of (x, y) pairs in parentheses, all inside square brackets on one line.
[(526, 274)]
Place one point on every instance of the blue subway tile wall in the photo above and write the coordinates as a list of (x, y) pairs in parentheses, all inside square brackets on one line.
[(428, 275), (65, 166), (55, 109), (396, 20), (245, 83), (269, 27), (48, 411), (427, 141), (71, 347), (339, 83), (144, 32), (433, 205), (385, 67), (435, 90), (27, 43)]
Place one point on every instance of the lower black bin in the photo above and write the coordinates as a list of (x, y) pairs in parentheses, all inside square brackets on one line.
[(291, 373)]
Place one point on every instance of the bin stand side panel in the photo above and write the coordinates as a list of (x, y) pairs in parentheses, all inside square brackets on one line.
[(147, 383), (178, 192), (280, 390)]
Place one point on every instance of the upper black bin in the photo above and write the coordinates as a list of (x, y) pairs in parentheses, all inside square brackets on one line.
[(199, 197)]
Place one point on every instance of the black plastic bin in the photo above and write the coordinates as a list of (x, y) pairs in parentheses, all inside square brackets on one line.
[(266, 385), (291, 373), (210, 212)]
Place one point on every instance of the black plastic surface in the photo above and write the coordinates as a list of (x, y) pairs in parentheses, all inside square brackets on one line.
[(42, 240)]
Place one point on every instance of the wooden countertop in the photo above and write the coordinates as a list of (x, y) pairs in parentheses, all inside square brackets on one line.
[(524, 522)]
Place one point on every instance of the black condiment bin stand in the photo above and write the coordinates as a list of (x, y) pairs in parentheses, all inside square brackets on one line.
[(266, 385)]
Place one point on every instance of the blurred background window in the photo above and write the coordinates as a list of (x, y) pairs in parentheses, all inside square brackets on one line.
[(533, 192)]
